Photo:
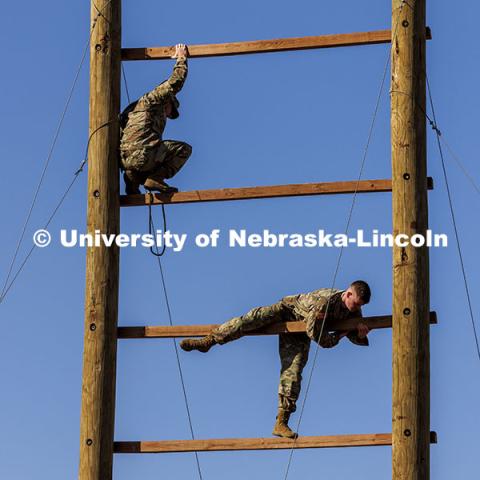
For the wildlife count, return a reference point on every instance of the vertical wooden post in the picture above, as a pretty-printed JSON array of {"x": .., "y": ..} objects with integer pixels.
[
  {"x": 411, "y": 370},
  {"x": 102, "y": 270}
]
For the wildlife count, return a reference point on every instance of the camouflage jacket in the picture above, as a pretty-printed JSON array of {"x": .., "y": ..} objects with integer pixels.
[
  {"x": 309, "y": 305},
  {"x": 147, "y": 121}
]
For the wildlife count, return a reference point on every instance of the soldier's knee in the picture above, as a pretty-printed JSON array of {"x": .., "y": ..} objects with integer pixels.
[{"x": 185, "y": 150}]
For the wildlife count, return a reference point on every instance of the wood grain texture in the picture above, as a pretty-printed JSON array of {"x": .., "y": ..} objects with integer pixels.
[
  {"x": 411, "y": 369},
  {"x": 249, "y": 193},
  {"x": 262, "y": 46},
  {"x": 271, "y": 443},
  {"x": 179, "y": 331},
  {"x": 102, "y": 269}
]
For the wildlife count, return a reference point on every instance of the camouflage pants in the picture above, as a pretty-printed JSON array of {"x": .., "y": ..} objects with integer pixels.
[
  {"x": 293, "y": 348},
  {"x": 164, "y": 161}
]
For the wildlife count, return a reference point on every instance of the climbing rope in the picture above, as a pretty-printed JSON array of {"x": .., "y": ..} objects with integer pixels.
[
  {"x": 151, "y": 226},
  {"x": 439, "y": 137},
  {"x": 126, "y": 85},
  {"x": 177, "y": 355},
  {"x": 433, "y": 124},
  {"x": 158, "y": 254},
  {"x": 79, "y": 170},
  {"x": 347, "y": 226},
  {"x": 460, "y": 164},
  {"x": 7, "y": 285}
]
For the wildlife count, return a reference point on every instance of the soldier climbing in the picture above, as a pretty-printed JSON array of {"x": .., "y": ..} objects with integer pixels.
[
  {"x": 309, "y": 308},
  {"x": 145, "y": 158}
]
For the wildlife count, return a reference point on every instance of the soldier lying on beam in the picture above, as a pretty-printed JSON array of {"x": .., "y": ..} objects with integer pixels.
[
  {"x": 310, "y": 308},
  {"x": 145, "y": 157}
]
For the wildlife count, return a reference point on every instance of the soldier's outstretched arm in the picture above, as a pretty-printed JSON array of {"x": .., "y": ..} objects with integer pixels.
[
  {"x": 176, "y": 80},
  {"x": 180, "y": 70}
]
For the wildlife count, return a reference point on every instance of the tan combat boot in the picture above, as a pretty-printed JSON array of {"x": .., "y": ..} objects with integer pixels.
[
  {"x": 281, "y": 428},
  {"x": 132, "y": 180},
  {"x": 201, "y": 344},
  {"x": 157, "y": 184}
]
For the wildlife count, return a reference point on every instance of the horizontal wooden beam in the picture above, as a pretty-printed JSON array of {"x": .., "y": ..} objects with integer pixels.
[
  {"x": 263, "y": 46},
  {"x": 250, "y": 193},
  {"x": 229, "y": 444},
  {"x": 179, "y": 331}
]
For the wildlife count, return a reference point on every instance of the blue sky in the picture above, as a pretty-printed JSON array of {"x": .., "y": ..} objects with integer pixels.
[{"x": 253, "y": 120}]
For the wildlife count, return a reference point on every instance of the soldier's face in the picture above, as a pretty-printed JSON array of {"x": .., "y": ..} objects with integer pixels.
[{"x": 352, "y": 300}]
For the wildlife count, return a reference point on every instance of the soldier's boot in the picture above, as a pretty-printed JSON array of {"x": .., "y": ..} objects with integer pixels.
[
  {"x": 201, "y": 344},
  {"x": 281, "y": 428},
  {"x": 132, "y": 180},
  {"x": 156, "y": 183}
]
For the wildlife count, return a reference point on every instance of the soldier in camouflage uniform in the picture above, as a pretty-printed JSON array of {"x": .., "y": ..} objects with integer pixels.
[
  {"x": 145, "y": 157},
  {"x": 309, "y": 308}
]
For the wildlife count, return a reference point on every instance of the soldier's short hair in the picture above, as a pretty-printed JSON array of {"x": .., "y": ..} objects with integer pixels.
[{"x": 362, "y": 289}]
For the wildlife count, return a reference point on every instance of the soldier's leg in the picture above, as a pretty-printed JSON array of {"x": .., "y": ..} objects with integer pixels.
[
  {"x": 293, "y": 356},
  {"x": 170, "y": 157},
  {"x": 238, "y": 326},
  {"x": 137, "y": 165},
  {"x": 253, "y": 320}
]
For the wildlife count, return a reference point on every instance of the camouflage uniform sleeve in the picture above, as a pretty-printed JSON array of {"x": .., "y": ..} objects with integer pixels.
[
  {"x": 313, "y": 327},
  {"x": 173, "y": 85},
  {"x": 353, "y": 335}
]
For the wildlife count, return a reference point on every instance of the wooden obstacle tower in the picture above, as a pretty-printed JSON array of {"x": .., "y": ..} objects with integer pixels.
[{"x": 411, "y": 437}]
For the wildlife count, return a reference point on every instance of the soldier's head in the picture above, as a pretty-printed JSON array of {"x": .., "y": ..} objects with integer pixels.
[
  {"x": 171, "y": 107},
  {"x": 356, "y": 295}
]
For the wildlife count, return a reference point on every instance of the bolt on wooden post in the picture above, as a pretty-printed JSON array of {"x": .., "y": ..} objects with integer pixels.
[
  {"x": 411, "y": 370},
  {"x": 102, "y": 269}
]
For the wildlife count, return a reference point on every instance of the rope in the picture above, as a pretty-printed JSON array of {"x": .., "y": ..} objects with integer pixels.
[
  {"x": 49, "y": 156},
  {"x": 177, "y": 355},
  {"x": 126, "y": 85},
  {"x": 439, "y": 136},
  {"x": 8, "y": 286},
  {"x": 460, "y": 164},
  {"x": 347, "y": 226},
  {"x": 158, "y": 254},
  {"x": 452, "y": 213},
  {"x": 100, "y": 12},
  {"x": 151, "y": 226}
]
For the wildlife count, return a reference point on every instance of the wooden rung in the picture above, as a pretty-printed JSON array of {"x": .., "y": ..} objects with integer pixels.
[
  {"x": 264, "y": 46},
  {"x": 218, "y": 445},
  {"x": 178, "y": 331},
  {"x": 273, "y": 191}
]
